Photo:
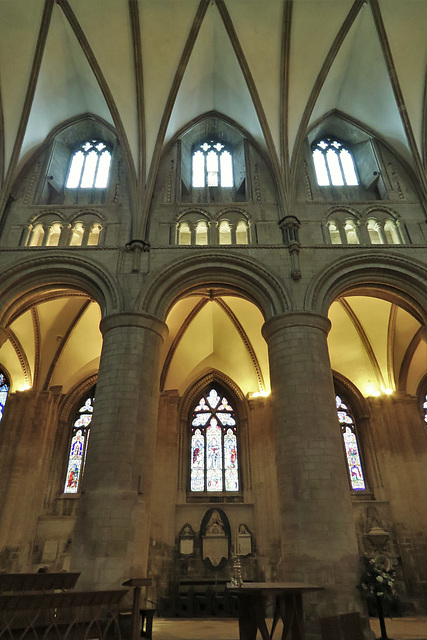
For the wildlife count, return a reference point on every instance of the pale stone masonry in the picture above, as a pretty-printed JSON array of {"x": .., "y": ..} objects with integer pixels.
[{"x": 277, "y": 292}]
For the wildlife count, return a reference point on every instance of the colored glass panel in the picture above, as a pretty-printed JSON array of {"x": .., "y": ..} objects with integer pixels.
[
  {"x": 202, "y": 406},
  {"x": 201, "y": 419},
  {"x": 231, "y": 480},
  {"x": 213, "y": 398},
  {"x": 78, "y": 447},
  {"x": 226, "y": 419},
  {"x": 214, "y": 464},
  {"x": 197, "y": 451},
  {"x": 225, "y": 406},
  {"x": 213, "y": 456},
  {"x": 230, "y": 450},
  {"x": 351, "y": 446},
  {"x": 4, "y": 390},
  {"x": 197, "y": 480}
]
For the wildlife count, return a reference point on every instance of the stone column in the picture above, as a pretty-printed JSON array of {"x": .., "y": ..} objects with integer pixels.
[
  {"x": 27, "y": 435},
  {"x": 113, "y": 519},
  {"x": 318, "y": 537}
]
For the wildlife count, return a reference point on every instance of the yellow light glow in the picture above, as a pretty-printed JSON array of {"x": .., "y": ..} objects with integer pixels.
[
  {"x": 25, "y": 387},
  {"x": 371, "y": 390},
  {"x": 388, "y": 392},
  {"x": 376, "y": 393},
  {"x": 258, "y": 394}
]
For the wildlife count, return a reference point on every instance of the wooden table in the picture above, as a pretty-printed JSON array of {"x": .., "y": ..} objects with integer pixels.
[{"x": 287, "y": 607}]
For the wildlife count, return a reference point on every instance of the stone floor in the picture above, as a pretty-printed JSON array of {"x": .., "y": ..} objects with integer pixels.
[{"x": 227, "y": 629}]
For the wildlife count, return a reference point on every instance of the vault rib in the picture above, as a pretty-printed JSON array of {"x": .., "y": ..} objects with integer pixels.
[
  {"x": 64, "y": 342},
  {"x": 20, "y": 352},
  {"x": 29, "y": 97},
  {"x": 320, "y": 81},
  {"x": 172, "y": 349},
  {"x": 106, "y": 92},
  {"x": 142, "y": 227}
]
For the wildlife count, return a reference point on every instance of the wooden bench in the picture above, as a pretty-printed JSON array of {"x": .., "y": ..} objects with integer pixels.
[
  {"x": 36, "y": 606},
  {"x": 18, "y": 582}
]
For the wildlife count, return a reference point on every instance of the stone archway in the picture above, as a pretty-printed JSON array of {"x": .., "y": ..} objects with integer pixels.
[{"x": 247, "y": 277}]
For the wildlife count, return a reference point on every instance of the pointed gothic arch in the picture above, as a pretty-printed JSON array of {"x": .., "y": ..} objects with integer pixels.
[{"x": 238, "y": 451}]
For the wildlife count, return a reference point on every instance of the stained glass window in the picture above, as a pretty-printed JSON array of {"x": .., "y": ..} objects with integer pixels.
[
  {"x": 79, "y": 443},
  {"x": 4, "y": 390},
  {"x": 334, "y": 164},
  {"x": 425, "y": 409},
  {"x": 214, "y": 460},
  {"x": 90, "y": 166},
  {"x": 348, "y": 429},
  {"x": 212, "y": 165}
]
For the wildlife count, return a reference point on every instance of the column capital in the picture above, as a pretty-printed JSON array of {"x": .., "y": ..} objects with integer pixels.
[
  {"x": 133, "y": 319},
  {"x": 295, "y": 319}
]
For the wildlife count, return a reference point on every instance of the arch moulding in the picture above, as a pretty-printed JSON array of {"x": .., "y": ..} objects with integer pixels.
[
  {"x": 248, "y": 278},
  {"x": 391, "y": 277},
  {"x": 33, "y": 277}
]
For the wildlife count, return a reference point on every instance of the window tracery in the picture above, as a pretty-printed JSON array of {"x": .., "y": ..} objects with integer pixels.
[
  {"x": 89, "y": 166},
  {"x": 79, "y": 443},
  {"x": 214, "y": 465},
  {"x": 212, "y": 165},
  {"x": 334, "y": 164}
]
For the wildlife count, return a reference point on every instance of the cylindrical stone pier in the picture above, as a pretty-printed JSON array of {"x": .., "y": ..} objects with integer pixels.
[
  {"x": 113, "y": 518},
  {"x": 318, "y": 536}
]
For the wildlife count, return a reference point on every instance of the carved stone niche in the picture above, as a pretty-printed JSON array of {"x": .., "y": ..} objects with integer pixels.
[
  {"x": 244, "y": 541},
  {"x": 215, "y": 534},
  {"x": 374, "y": 530},
  {"x": 186, "y": 539}
]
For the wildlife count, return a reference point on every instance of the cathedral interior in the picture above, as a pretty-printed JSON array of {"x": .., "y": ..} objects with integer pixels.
[{"x": 213, "y": 255}]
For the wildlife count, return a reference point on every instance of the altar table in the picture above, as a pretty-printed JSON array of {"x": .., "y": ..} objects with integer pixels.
[{"x": 287, "y": 607}]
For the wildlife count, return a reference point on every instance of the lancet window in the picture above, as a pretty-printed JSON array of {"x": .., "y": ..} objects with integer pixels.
[
  {"x": 351, "y": 446},
  {"x": 212, "y": 165},
  {"x": 4, "y": 390},
  {"x": 214, "y": 465},
  {"x": 425, "y": 409},
  {"x": 89, "y": 166},
  {"x": 334, "y": 164},
  {"x": 82, "y": 419}
]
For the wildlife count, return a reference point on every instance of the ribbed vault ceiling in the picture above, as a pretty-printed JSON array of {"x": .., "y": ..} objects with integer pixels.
[
  {"x": 56, "y": 341},
  {"x": 149, "y": 67}
]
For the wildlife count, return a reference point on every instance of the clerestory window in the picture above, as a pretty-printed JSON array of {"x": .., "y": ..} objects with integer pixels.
[
  {"x": 89, "y": 166},
  {"x": 214, "y": 465},
  {"x": 212, "y": 165},
  {"x": 351, "y": 446},
  {"x": 334, "y": 164},
  {"x": 81, "y": 420}
]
